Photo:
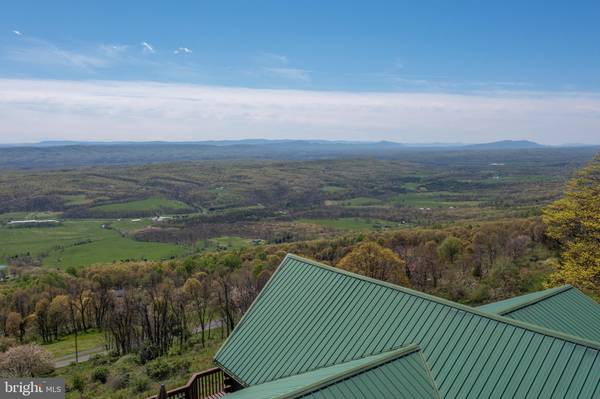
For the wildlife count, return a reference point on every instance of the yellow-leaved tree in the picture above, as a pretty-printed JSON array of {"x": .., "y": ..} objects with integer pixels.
[
  {"x": 372, "y": 260},
  {"x": 574, "y": 221}
]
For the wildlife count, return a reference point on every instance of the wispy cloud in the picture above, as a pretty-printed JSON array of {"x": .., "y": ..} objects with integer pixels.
[
  {"x": 147, "y": 48},
  {"x": 272, "y": 58},
  {"x": 278, "y": 65},
  {"x": 17, "y": 32},
  {"x": 290, "y": 73},
  {"x": 41, "y": 52},
  {"x": 33, "y": 110},
  {"x": 98, "y": 60},
  {"x": 183, "y": 50},
  {"x": 113, "y": 50}
]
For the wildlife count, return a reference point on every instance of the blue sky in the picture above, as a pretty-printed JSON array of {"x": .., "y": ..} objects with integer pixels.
[{"x": 336, "y": 69}]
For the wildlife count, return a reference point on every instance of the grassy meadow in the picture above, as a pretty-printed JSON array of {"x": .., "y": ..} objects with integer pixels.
[
  {"x": 66, "y": 344},
  {"x": 154, "y": 204},
  {"x": 82, "y": 242}
]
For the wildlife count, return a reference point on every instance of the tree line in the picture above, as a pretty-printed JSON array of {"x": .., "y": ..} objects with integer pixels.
[{"x": 141, "y": 307}]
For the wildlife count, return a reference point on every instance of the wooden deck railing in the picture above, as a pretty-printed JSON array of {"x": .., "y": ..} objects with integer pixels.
[{"x": 208, "y": 384}]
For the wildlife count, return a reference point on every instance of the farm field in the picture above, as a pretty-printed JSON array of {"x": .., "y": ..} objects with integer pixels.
[
  {"x": 432, "y": 200},
  {"x": 154, "y": 204},
  {"x": 81, "y": 242}
]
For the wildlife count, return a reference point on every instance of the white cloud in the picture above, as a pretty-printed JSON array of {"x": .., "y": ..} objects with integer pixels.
[
  {"x": 33, "y": 110},
  {"x": 147, "y": 47},
  {"x": 184, "y": 50},
  {"x": 290, "y": 73},
  {"x": 41, "y": 52},
  {"x": 17, "y": 32},
  {"x": 272, "y": 58}
]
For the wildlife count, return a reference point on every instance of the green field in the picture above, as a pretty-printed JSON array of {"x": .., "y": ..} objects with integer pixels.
[
  {"x": 129, "y": 225},
  {"x": 412, "y": 199},
  {"x": 66, "y": 344},
  {"x": 80, "y": 243},
  {"x": 225, "y": 242},
  {"x": 351, "y": 223},
  {"x": 76, "y": 199},
  {"x": 7, "y": 217},
  {"x": 357, "y": 201},
  {"x": 431, "y": 200},
  {"x": 153, "y": 204}
]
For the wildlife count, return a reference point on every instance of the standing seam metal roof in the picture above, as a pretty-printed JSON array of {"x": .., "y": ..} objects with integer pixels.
[
  {"x": 564, "y": 309},
  {"x": 506, "y": 305},
  {"x": 311, "y": 316},
  {"x": 398, "y": 374}
]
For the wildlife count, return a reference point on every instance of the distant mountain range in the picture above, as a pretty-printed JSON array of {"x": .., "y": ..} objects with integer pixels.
[
  {"x": 72, "y": 154},
  {"x": 503, "y": 144},
  {"x": 506, "y": 144}
]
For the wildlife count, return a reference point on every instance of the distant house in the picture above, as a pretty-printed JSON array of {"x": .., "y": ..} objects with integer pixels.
[{"x": 320, "y": 332}]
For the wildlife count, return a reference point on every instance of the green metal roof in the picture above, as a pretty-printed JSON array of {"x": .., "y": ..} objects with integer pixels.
[
  {"x": 396, "y": 374},
  {"x": 518, "y": 301},
  {"x": 311, "y": 316},
  {"x": 564, "y": 309}
]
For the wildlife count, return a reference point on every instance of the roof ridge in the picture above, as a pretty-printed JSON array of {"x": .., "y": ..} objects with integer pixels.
[
  {"x": 386, "y": 357},
  {"x": 429, "y": 373},
  {"x": 551, "y": 333},
  {"x": 551, "y": 292}
]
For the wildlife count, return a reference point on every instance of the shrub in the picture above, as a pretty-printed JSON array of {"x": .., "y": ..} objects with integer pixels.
[
  {"x": 100, "y": 360},
  {"x": 78, "y": 383},
  {"x": 118, "y": 381},
  {"x": 149, "y": 352},
  {"x": 126, "y": 361},
  {"x": 480, "y": 294},
  {"x": 181, "y": 366},
  {"x": 26, "y": 361},
  {"x": 140, "y": 384},
  {"x": 158, "y": 369},
  {"x": 100, "y": 374},
  {"x": 161, "y": 369},
  {"x": 6, "y": 343}
]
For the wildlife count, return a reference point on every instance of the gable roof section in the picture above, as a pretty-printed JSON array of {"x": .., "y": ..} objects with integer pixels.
[
  {"x": 564, "y": 309},
  {"x": 311, "y": 316},
  {"x": 397, "y": 374},
  {"x": 506, "y": 305}
]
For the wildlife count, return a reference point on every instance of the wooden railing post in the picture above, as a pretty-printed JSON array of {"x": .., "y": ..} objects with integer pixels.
[{"x": 162, "y": 394}]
